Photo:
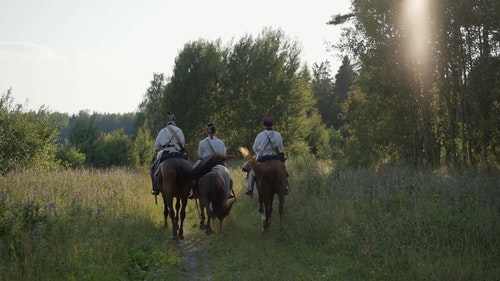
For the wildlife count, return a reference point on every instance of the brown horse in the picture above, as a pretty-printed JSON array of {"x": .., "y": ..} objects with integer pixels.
[
  {"x": 174, "y": 181},
  {"x": 213, "y": 197},
  {"x": 270, "y": 178}
]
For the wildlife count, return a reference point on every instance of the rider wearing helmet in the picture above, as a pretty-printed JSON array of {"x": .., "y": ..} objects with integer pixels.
[
  {"x": 267, "y": 145},
  {"x": 211, "y": 146},
  {"x": 169, "y": 143}
]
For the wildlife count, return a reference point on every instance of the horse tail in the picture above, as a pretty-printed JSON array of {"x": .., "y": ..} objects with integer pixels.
[
  {"x": 218, "y": 195},
  {"x": 248, "y": 156},
  {"x": 227, "y": 209}
]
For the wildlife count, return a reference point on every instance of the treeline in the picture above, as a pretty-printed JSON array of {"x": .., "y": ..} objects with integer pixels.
[
  {"x": 388, "y": 102},
  {"x": 48, "y": 140}
]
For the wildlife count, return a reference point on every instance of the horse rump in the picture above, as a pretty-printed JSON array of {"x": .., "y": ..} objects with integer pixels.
[{"x": 213, "y": 198}]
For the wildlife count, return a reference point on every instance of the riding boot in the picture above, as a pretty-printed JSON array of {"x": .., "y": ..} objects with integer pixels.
[
  {"x": 287, "y": 190},
  {"x": 251, "y": 177},
  {"x": 193, "y": 193},
  {"x": 154, "y": 180},
  {"x": 231, "y": 191}
]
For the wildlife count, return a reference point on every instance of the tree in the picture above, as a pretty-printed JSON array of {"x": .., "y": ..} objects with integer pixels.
[
  {"x": 424, "y": 91},
  {"x": 84, "y": 135},
  {"x": 150, "y": 115},
  {"x": 115, "y": 149},
  {"x": 343, "y": 82},
  {"x": 322, "y": 87},
  {"x": 69, "y": 157},
  {"x": 144, "y": 146},
  {"x": 196, "y": 91},
  {"x": 26, "y": 138},
  {"x": 266, "y": 78}
]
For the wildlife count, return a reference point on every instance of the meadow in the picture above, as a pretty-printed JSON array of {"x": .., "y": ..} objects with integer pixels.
[{"x": 339, "y": 224}]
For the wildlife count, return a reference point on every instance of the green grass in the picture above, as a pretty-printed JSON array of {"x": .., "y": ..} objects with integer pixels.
[{"x": 391, "y": 224}]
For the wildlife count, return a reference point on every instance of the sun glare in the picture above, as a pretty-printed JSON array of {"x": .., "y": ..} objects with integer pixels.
[{"x": 416, "y": 28}]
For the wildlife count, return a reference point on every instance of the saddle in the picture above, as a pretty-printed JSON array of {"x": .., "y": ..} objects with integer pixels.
[
  {"x": 167, "y": 155},
  {"x": 172, "y": 154},
  {"x": 204, "y": 166},
  {"x": 264, "y": 158}
]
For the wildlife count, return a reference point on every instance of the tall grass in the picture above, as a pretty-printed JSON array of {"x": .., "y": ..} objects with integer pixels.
[{"x": 390, "y": 224}]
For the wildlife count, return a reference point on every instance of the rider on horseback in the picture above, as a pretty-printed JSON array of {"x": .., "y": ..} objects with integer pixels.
[
  {"x": 267, "y": 145},
  {"x": 209, "y": 147},
  {"x": 169, "y": 143}
]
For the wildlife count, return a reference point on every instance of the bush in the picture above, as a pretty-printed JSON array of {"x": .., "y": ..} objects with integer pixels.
[{"x": 26, "y": 138}]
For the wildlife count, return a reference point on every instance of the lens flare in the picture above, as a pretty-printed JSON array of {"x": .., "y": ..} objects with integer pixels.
[{"x": 416, "y": 29}]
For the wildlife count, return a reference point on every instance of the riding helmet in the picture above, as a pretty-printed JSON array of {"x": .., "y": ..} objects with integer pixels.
[
  {"x": 267, "y": 121},
  {"x": 171, "y": 118},
  {"x": 211, "y": 128}
]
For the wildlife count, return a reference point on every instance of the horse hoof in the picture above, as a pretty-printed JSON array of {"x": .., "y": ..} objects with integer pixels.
[
  {"x": 181, "y": 237},
  {"x": 202, "y": 226}
]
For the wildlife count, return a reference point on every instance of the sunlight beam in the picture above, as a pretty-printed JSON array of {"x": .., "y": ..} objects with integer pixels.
[{"x": 416, "y": 29}]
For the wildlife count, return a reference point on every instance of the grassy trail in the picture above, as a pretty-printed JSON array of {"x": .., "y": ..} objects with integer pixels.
[{"x": 344, "y": 225}]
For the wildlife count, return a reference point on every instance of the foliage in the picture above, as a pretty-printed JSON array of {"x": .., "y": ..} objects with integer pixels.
[
  {"x": 143, "y": 147},
  {"x": 235, "y": 86},
  {"x": 115, "y": 149},
  {"x": 196, "y": 90},
  {"x": 430, "y": 92},
  {"x": 70, "y": 157},
  {"x": 150, "y": 115},
  {"x": 84, "y": 136},
  {"x": 319, "y": 139},
  {"x": 330, "y": 96},
  {"x": 26, "y": 138}
]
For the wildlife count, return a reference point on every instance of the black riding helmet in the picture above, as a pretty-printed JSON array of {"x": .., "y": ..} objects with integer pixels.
[
  {"x": 171, "y": 119},
  {"x": 211, "y": 128}
]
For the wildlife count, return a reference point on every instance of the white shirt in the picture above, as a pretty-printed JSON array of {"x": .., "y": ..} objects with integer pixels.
[
  {"x": 166, "y": 140},
  {"x": 204, "y": 149},
  {"x": 263, "y": 144}
]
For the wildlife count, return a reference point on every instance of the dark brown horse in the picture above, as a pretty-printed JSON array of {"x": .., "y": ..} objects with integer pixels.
[
  {"x": 213, "y": 197},
  {"x": 270, "y": 179},
  {"x": 174, "y": 181}
]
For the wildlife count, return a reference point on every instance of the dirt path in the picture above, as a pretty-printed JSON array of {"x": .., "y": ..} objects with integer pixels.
[{"x": 194, "y": 268}]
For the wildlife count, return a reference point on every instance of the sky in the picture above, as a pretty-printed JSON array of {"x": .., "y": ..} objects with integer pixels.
[{"x": 101, "y": 55}]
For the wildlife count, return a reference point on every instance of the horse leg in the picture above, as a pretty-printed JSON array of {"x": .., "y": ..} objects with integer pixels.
[
  {"x": 269, "y": 212},
  {"x": 261, "y": 210},
  {"x": 183, "y": 216},
  {"x": 281, "y": 198},
  {"x": 165, "y": 212},
  {"x": 202, "y": 215},
  {"x": 177, "y": 208},
  {"x": 208, "y": 230},
  {"x": 169, "y": 210}
]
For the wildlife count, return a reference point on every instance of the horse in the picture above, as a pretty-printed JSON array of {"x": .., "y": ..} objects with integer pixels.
[
  {"x": 213, "y": 197},
  {"x": 271, "y": 179},
  {"x": 174, "y": 181}
]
